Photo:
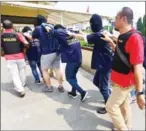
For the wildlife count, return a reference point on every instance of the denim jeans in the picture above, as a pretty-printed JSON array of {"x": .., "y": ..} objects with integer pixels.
[
  {"x": 71, "y": 72},
  {"x": 34, "y": 65},
  {"x": 101, "y": 80}
]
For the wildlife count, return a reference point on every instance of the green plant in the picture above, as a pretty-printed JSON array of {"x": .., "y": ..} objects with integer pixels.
[
  {"x": 141, "y": 25},
  {"x": 87, "y": 31},
  {"x": 108, "y": 27},
  {"x": 83, "y": 43}
]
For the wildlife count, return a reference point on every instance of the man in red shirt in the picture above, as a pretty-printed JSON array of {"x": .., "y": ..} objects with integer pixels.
[
  {"x": 123, "y": 77},
  {"x": 12, "y": 45}
]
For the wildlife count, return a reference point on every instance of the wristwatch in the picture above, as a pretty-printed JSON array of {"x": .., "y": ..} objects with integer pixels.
[{"x": 139, "y": 93}]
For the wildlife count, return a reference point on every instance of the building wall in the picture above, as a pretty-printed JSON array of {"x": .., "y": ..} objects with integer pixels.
[{"x": 86, "y": 60}]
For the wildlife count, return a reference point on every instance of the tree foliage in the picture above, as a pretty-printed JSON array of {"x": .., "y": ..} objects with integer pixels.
[{"x": 141, "y": 25}]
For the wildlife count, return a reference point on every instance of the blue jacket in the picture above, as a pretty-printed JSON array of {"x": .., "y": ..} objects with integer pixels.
[
  {"x": 69, "y": 48},
  {"x": 102, "y": 54},
  {"x": 34, "y": 53},
  {"x": 48, "y": 44}
]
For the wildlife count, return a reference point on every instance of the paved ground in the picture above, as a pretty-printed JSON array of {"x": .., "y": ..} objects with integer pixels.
[{"x": 55, "y": 111}]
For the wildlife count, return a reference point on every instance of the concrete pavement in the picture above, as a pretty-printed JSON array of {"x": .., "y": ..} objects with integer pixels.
[{"x": 55, "y": 111}]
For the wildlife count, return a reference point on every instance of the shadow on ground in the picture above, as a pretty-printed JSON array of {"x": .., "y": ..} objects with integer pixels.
[{"x": 79, "y": 115}]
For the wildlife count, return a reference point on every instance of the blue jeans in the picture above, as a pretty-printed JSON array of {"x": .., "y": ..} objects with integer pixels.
[
  {"x": 34, "y": 65},
  {"x": 101, "y": 80},
  {"x": 71, "y": 72}
]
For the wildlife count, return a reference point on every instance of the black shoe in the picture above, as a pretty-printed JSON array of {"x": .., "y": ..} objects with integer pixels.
[
  {"x": 83, "y": 96},
  {"x": 61, "y": 89},
  {"x": 38, "y": 82},
  {"x": 24, "y": 85},
  {"x": 73, "y": 95},
  {"x": 21, "y": 94},
  {"x": 101, "y": 111}
]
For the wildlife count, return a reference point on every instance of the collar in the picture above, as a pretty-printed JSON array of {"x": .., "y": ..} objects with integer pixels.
[{"x": 8, "y": 30}]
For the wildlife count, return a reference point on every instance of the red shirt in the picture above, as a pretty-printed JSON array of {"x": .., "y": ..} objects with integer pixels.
[
  {"x": 134, "y": 47},
  {"x": 18, "y": 55}
]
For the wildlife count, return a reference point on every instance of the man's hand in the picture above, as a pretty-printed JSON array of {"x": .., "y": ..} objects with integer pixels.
[
  {"x": 106, "y": 37},
  {"x": 115, "y": 39},
  {"x": 141, "y": 101},
  {"x": 2, "y": 53},
  {"x": 47, "y": 28},
  {"x": 26, "y": 34},
  {"x": 70, "y": 33}
]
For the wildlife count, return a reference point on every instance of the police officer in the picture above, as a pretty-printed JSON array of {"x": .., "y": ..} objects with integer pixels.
[{"x": 13, "y": 45}]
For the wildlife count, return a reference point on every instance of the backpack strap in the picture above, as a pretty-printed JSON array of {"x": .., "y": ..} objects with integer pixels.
[{"x": 123, "y": 57}]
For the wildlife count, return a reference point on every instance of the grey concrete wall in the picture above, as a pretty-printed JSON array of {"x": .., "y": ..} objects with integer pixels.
[{"x": 86, "y": 63}]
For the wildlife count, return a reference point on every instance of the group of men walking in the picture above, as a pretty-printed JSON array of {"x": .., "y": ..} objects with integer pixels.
[{"x": 47, "y": 45}]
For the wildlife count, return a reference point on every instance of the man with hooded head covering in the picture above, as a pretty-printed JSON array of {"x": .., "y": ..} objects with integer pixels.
[
  {"x": 70, "y": 51},
  {"x": 50, "y": 57},
  {"x": 101, "y": 57}
]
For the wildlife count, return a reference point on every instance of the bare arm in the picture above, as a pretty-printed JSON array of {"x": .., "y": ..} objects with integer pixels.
[
  {"x": 78, "y": 36},
  {"x": 26, "y": 44},
  {"x": 139, "y": 85},
  {"x": 2, "y": 52},
  {"x": 138, "y": 77},
  {"x": 28, "y": 36}
]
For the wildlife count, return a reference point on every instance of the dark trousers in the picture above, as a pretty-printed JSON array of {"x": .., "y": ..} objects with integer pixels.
[
  {"x": 34, "y": 64},
  {"x": 71, "y": 72},
  {"x": 101, "y": 80}
]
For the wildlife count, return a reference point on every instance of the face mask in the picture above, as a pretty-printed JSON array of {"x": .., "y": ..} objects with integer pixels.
[{"x": 96, "y": 23}]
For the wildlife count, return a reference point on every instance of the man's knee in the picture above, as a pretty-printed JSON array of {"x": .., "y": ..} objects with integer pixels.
[
  {"x": 71, "y": 81},
  {"x": 44, "y": 70},
  {"x": 68, "y": 80},
  {"x": 109, "y": 107}
]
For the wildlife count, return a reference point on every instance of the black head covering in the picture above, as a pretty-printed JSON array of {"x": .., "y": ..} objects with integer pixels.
[
  {"x": 40, "y": 19},
  {"x": 26, "y": 28},
  {"x": 58, "y": 26},
  {"x": 96, "y": 23}
]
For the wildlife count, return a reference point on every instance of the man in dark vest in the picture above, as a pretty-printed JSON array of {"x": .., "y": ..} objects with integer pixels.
[
  {"x": 125, "y": 77},
  {"x": 12, "y": 44},
  {"x": 101, "y": 57}
]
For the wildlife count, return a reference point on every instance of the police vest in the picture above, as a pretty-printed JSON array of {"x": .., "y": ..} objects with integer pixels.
[
  {"x": 11, "y": 44},
  {"x": 118, "y": 65}
]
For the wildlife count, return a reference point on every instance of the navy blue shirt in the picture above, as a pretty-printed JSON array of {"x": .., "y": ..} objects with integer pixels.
[
  {"x": 102, "y": 54},
  {"x": 46, "y": 40},
  {"x": 69, "y": 48},
  {"x": 33, "y": 52}
]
